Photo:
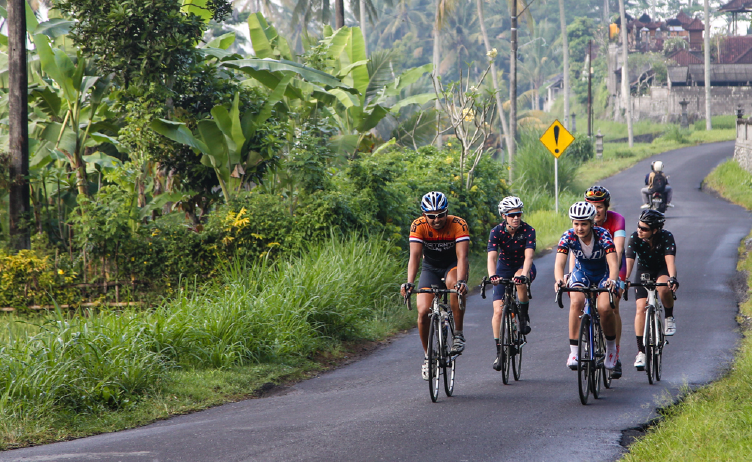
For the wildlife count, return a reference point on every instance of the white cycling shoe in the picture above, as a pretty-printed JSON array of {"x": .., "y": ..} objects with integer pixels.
[
  {"x": 572, "y": 361},
  {"x": 424, "y": 369},
  {"x": 670, "y": 326},
  {"x": 639, "y": 361},
  {"x": 611, "y": 358},
  {"x": 645, "y": 206}
]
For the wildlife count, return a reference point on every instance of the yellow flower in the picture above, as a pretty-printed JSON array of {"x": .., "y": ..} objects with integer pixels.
[
  {"x": 492, "y": 54},
  {"x": 60, "y": 272},
  {"x": 449, "y": 144}
]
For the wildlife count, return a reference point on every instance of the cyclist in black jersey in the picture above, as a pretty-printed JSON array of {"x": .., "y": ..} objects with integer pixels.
[{"x": 654, "y": 248}]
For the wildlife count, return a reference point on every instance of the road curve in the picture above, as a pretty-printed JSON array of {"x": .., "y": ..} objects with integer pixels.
[{"x": 379, "y": 409}]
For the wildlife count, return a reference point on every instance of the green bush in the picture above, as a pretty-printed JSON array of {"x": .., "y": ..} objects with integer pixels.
[
  {"x": 623, "y": 154},
  {"x": 581, "y": 150},
  {"x": 676, "y": 134}
]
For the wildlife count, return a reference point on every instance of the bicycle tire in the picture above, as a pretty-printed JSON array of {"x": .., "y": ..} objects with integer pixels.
[
  {"x": 449, "y": 364},
  {"x": 519, "y": 340},
  {"x": 506, "y": 344},
  {"x": 649, "y": 342},
  {"x": 658, "y": 357},
  {"x": 584, "y": 360},
  {"x": 434, "y": 349},
  {"x": 598, "y": 370}
]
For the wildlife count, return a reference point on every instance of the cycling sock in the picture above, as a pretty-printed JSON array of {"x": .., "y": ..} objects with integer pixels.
[
  {"x": 611, "y": 338},
  {"x": 573, "y": 342},
  {"x": 457, "y": 332},
  {"x": 611, "y": 344},
  {"x": 573, "y": 349},
  {"x": 669, "y": 311},
  {"x": 640, "y": 345}
]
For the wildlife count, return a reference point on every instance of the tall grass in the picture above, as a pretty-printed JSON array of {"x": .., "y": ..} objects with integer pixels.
[
  {"x": 257, "y": 312},
  {"x": 535, "y": 167}
]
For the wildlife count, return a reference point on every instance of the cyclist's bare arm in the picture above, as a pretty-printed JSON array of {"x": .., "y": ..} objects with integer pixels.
[
  {"x": 528, "y": 263},
  {"x": 416, "y": 253},
  {"x": 613, "y": 266},
  {"x": 619, "y": 243},
  {"x": 671, "y": 266},
  {"x": 491, "y": 262},
  {"x": 630, "y": 266},
  {"x": 559, "y": 265},
  {"x": 463, "y": 266}
]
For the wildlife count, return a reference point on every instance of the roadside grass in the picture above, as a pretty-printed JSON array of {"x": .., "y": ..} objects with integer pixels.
[
  {"x": 714, "y": 422},
  {"x": 64, "y": 376}
]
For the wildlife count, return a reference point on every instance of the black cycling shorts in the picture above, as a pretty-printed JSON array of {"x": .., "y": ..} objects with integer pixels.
[
  {"x": 431, "y": 275},
  {"x": 641, "y": 292}
]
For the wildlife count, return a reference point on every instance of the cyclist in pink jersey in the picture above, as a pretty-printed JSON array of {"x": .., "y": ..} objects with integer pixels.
[{"x": 600, "y": 197}]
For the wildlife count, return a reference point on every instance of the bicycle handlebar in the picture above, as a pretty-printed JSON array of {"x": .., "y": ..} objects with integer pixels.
[
  {"x": 485, "y": 282},
  {"x": 650, "y": 285},
  {"x": 584, "y": 290},
  {"x": 435, "y": 291}
]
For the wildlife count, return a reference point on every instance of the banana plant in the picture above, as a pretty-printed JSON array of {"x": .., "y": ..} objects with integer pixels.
[
  {"x": 79, "y": 97},
  {"x": 354, "y": 98},
  {"x": 225, "y": 140}
]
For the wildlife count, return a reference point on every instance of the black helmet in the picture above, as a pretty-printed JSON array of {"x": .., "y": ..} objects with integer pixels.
[
  {"x": 598, "y": 194},
  {"x": 653, "y": 218}
]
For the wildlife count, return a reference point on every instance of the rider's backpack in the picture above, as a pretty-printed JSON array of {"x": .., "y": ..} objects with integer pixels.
[{"x": 659, "y": 182}]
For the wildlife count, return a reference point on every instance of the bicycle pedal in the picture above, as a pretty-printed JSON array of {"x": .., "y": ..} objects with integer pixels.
[{"x": 641, "y": 369}]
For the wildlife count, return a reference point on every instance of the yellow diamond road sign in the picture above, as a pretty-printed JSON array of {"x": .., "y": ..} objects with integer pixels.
[{"x": 556, "y": 139}]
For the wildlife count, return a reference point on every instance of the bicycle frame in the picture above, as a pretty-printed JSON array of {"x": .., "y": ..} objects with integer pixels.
[{"x": 654, "y": 308}]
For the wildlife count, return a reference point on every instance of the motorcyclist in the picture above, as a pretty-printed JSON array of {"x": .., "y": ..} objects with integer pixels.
[{"x": 656, "y": 181}]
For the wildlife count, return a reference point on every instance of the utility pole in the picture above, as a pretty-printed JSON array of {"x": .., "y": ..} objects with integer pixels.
[
  {"x": 590, "y": 91},
  {"x": 435, "y": 74},
  {"x": 513, "y": 94},
  {"x": 339, "y": 13},
  {"x": 565, "y": 51},
  {"x": 625, "y": 72},
  {"x": 708, "y": 121},
  {"x": 18, "y": 202}
]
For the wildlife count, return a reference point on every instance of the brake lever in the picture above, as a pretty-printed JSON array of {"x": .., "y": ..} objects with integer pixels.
[{"x": 483, "y": 288}]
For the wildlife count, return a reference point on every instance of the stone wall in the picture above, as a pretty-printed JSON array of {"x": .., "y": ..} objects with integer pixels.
[
  {"x": 662, "y": 103},
  {"x": 743, "y": 148}
]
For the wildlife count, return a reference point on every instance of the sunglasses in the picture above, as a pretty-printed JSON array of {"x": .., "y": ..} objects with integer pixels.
[
  {"x": 514, "y": 214},
  {"x": 643, "y": 228},
  {"x": 433, "y": 216},
  {"x": 594, "y": 194}
]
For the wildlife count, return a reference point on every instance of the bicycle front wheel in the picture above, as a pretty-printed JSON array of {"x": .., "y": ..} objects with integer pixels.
[
  {"x": 658, "y": 350},
  {"x": 584, "y": 359},
  {"x": 449, "y": 363},
  {"x": 650, "y": 342},
  {"x": 506, "y": 344},
  {"x": 434, "y": 354},
  {"x": 518, "y": 339},
  {"x": 598, "y": 370}
]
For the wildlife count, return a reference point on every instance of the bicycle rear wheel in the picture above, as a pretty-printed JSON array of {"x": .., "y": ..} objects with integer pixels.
[
  {"x": 650, "y": 342},
  {"x": 506, "y": 344},
  {"x": 658, "y": 355},
  {"x": 584, "y": 362},
  {"x": 598, "y": 370},
  {"x": 449, "y": 363},
  {"x": 434, "y": 353}
]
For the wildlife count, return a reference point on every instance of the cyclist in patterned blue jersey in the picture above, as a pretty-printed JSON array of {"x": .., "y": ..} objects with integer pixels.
[{"x": 596, "y": 264}]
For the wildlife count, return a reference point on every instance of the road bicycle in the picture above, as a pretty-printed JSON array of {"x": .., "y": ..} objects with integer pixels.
[
  {"x": 511, "y": 338},
  {"x": 653, "y": 336},
  {"x": 441, "y": 362},
  {"x": 591, "y": 351}
]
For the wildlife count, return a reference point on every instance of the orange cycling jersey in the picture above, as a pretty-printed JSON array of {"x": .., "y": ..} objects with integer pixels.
[{"x": 439, "y": 245}]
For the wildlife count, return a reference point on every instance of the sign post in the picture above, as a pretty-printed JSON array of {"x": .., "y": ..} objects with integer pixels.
[{"x": 556, "y": 139}]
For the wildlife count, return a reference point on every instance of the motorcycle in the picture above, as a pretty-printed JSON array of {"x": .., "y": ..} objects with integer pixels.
[{"x": 658, "y": 201}]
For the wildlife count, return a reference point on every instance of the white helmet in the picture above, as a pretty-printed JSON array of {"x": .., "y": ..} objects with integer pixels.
[
  {"x": 582, "y": 211},
  {"x": 657, "y": 166},
  {"x": 510, "y": 203}
]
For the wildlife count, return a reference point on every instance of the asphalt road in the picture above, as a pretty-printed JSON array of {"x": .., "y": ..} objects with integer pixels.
[{"x": 379, "y": 408}]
